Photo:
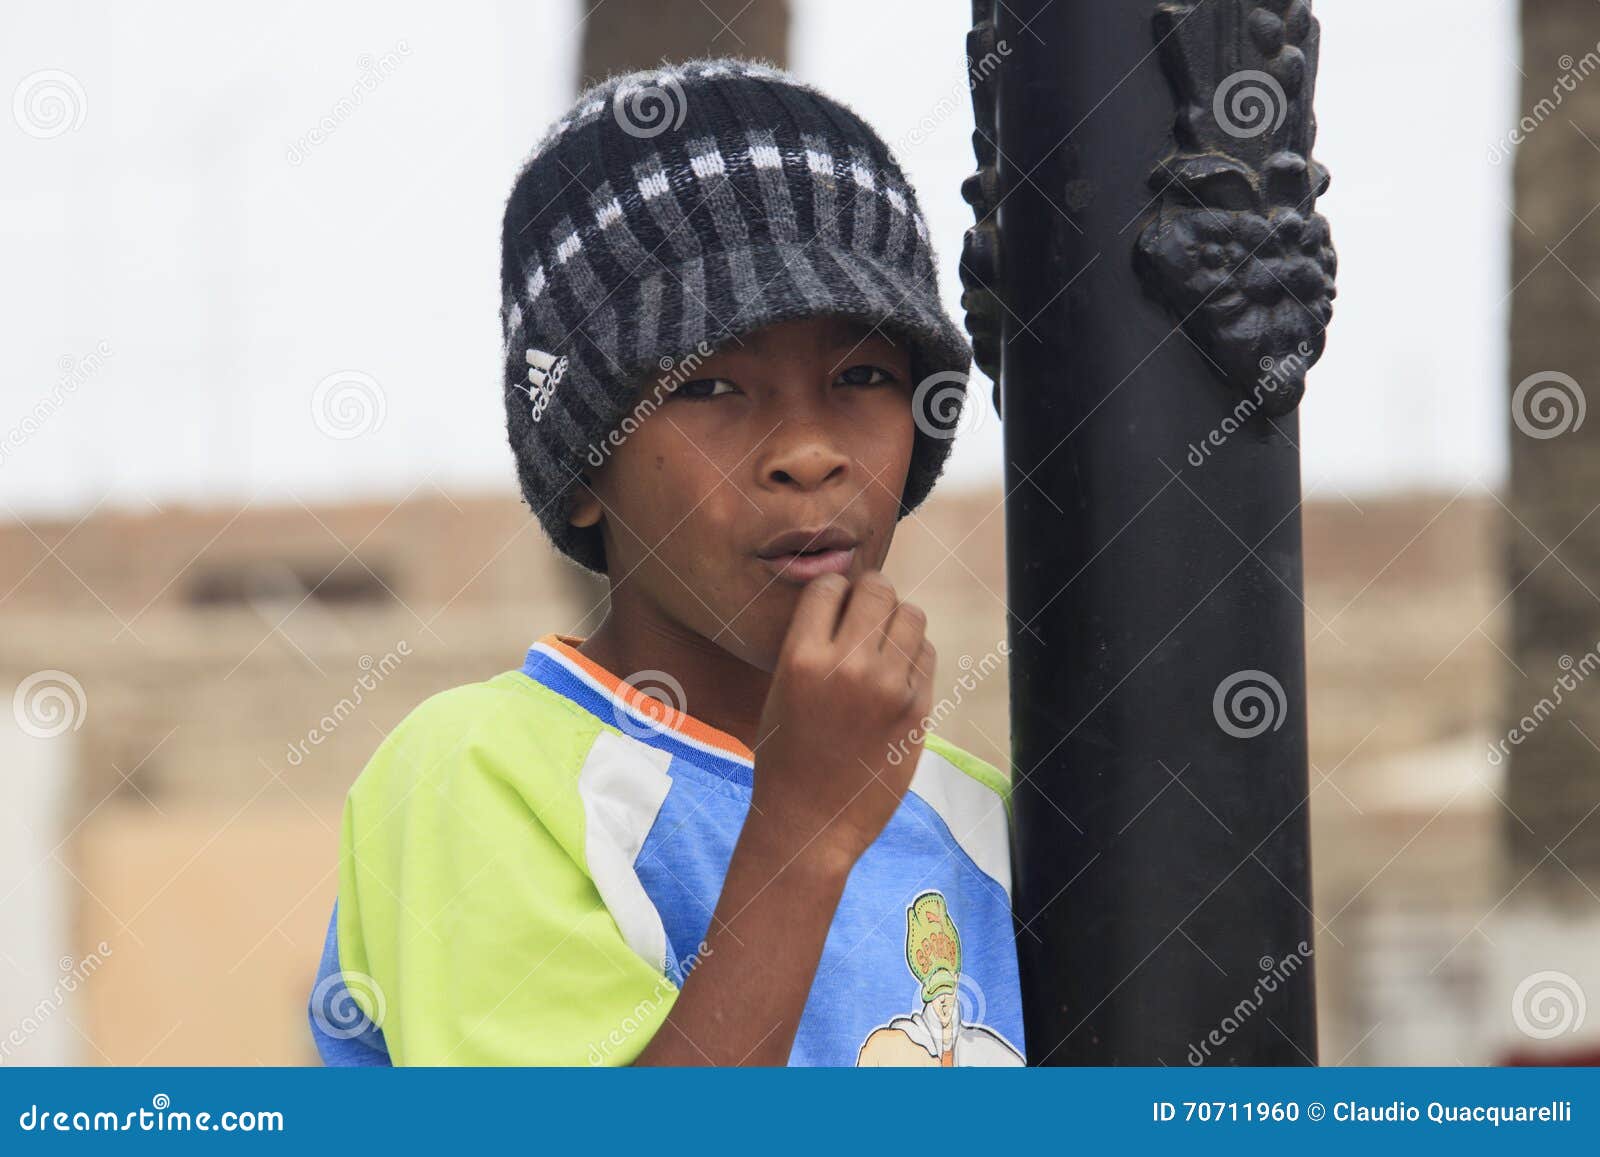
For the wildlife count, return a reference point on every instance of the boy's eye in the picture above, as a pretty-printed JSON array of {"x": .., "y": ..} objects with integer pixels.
[
  {"x": 863, "y": 375},
  {"x": 704, "y": 388}
]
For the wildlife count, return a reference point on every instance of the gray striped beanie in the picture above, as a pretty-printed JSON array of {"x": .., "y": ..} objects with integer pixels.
[{"x": 673, "y": 210}]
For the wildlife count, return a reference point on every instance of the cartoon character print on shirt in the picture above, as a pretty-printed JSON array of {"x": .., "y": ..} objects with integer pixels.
[{"x": 937, "y": 1034}]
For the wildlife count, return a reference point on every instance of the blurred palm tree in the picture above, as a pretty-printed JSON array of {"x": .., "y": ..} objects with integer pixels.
[
  {"x": 1553, "y": 529},
  {"x": 624, "y": 35},
  {"x": 627, "y": 35}
]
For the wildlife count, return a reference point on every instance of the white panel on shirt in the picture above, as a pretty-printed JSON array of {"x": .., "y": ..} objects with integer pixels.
[
  {"x": 623, "y": 785},
  {"x": 974, "y": 813}
]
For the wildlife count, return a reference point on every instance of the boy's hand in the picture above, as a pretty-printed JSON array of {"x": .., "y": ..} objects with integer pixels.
[
  {"x": 833, "y": 760},
  {"x": 834, "y": 755}
]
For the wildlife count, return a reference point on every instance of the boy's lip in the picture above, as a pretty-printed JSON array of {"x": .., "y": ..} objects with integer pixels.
[
  {"x": 802, "y": 568},
  {"x": 820, "y": 539},
  {"x": 827, "y": 550}
]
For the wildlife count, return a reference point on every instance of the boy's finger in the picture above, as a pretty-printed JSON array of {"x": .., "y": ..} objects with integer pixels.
[
  {"x": 866, "y": 615},
  {"x": 816, "y": 611},
  {"x": 921, "y": 678},
  {"x": 903, "y": 638}
]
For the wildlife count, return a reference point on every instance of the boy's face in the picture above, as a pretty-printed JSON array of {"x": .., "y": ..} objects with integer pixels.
[{"x": 801, "y": 427}]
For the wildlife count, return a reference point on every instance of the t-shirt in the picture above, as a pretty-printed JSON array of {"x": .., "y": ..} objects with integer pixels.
[{"x": 529, "y": 865}]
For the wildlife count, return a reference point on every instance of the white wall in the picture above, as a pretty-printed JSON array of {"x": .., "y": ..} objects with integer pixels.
[
  {"x": 227, "y": 281},
  {"x": 37, "y": 900}
]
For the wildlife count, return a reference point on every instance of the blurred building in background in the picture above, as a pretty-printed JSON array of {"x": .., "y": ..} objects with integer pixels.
[{"x": 232, "y": 670}]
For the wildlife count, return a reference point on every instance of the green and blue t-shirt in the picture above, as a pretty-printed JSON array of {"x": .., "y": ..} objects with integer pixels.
[{"x": 529, "y": 865}]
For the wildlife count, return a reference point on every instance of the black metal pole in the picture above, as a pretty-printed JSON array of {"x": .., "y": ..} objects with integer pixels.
[{"x": 1149, "y": 282}]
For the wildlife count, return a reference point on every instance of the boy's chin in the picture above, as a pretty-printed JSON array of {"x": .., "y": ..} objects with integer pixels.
[{"x": 756, "y": 637}]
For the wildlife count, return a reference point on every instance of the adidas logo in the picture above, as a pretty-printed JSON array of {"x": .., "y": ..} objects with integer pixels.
[{"x": 545, "y": 372}]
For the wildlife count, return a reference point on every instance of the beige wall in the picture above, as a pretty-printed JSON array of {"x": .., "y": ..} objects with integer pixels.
[{"x": 204, "y": 855}]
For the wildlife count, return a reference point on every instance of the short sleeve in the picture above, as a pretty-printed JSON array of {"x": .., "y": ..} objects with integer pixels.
[{"x": 470, "y": 929}]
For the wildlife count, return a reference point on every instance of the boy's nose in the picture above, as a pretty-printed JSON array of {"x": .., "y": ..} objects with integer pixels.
[{"x": 806, "y": 460}]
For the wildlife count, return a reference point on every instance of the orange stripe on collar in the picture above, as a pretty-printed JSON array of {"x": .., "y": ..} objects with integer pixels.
[{"x": 667, "y": 716}]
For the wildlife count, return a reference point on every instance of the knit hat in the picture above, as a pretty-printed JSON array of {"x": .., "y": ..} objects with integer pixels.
[{"x": 671, "y": 211}]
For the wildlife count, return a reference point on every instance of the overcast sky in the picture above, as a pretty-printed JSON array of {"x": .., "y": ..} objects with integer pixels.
[{"x": 181, "y": 224}]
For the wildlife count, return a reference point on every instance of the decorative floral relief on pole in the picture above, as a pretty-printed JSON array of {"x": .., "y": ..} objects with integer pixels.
[
  {"x": 980, "y": 249},
  {"x": 1235, "y": 246}
]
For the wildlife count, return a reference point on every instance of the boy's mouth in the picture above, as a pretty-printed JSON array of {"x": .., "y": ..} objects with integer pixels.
[{"x": 801, "y": 555}]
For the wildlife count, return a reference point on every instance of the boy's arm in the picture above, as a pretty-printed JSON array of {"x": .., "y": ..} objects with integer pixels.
[
  {"x": 469, "y": 926},
  {"x": 473, "y": 929},
  {"x": 857, "y": 670}
]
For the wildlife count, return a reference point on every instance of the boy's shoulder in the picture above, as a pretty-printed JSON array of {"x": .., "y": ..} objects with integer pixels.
[
  {"x": 962, "y": 789},
  {"x": 970, "y": 765},
  {"x": 525, "y": 731},
  {"x": 500, "y": 707},
  {"x": 490, "y": 708},
  {"x": 508, "y": 725}
]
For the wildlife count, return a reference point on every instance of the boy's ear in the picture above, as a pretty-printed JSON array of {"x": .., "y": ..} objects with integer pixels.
[{"x": 586, "y": 508}]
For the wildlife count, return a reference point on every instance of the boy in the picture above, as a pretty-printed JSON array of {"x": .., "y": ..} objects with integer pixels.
[{"x": 776, "y": 865}]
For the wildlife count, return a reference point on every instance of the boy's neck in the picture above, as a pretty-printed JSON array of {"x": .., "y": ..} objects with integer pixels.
[{"x": 719, "y": 689}]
